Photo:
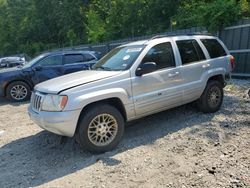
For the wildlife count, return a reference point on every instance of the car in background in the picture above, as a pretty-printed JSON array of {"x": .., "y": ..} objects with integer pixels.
[
  {"x": 17, "y": 83},
  {"x": 8, "y": 62}
]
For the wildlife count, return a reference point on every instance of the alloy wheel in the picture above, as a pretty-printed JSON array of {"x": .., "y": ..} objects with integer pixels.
[
  {"x": 102, "y": 129},
  {"x": 19, "y": 92}
]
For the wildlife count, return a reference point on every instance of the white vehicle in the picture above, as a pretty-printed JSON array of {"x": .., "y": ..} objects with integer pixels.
[
  {"x": 133, "y": 81},
  {"x": 8, "y": 62}
]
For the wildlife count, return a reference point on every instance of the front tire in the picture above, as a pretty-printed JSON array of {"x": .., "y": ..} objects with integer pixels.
[
  {"x": 212, "y": 97},
  {"x": 18, "y": 92},
  {"x": 100, "y": 129}
]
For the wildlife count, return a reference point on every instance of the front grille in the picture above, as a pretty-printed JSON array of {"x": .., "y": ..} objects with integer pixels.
[{"x": 36, "y": 101}]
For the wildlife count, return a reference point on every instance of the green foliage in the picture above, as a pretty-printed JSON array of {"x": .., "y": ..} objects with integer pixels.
[
  {"x": 245, "y": 8},
  {"x": 212, "y": 14},
  {"x": 121, "y": 19},
  {"x": 32, "y": 26}
]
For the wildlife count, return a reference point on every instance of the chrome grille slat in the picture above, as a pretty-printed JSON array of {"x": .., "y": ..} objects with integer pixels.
[
  {"x": 36, "y": 101},
  {"x": 35, "y": 105}
]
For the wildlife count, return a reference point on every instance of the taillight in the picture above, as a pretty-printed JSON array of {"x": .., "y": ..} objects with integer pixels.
[{"x": 232, "y": 62}]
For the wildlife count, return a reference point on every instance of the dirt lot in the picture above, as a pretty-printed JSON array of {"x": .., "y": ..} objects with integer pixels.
[{"x": 177, "y": 148}]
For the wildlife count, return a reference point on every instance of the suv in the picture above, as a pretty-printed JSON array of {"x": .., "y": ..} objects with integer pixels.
[
  {"x": 17, "y": 83},
  {"x": 130, "y": 82}
]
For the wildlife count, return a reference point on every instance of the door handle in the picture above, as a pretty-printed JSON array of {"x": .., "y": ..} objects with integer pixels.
[
  {"x": 206, "y": 66},
  {"x": 171, "y": 75}
]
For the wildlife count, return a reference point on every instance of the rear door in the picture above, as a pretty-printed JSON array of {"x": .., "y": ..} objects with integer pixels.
[
  {"x": 194, "y": 65},
  {"x": 160, "y": 89},
  {"x": 48, "y": 68},
  {"x": 219, "y": 57}
]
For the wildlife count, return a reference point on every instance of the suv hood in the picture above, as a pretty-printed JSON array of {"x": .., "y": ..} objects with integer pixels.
[{"x": 56, "y": 85}]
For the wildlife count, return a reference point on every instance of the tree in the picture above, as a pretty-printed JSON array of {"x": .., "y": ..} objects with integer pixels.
[
  {"x": 213, "y": 14},
  {"x": 117, "y": 19},
  {"x": 32, "y": 26}
]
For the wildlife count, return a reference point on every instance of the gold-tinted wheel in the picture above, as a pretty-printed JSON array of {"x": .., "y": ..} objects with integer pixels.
[
  {"x": 212, "y": 97},
  {"x": 102, "y": 129}
]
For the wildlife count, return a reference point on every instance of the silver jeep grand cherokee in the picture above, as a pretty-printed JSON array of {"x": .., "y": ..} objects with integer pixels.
[{"x": 130, "y": 82}]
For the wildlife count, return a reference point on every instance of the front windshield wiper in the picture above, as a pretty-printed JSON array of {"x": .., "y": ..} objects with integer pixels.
[{"x": 104, "y": 68}]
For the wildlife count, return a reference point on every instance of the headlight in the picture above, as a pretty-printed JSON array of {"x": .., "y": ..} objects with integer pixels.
[{"x": 54, "y": 103}]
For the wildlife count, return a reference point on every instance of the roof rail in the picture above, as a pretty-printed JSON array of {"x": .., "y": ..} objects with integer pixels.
[
  {"x": 158, "y": 36},
  {"x": 187, "y": 34}
]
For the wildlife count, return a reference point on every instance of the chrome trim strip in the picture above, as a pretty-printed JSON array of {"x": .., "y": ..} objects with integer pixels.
[{"x": 237, "y": 27}]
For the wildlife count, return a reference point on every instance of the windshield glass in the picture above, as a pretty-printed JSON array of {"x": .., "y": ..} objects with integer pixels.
[
  {"x": 121, "y": 58},
  {"x": 34, "y": 61}
]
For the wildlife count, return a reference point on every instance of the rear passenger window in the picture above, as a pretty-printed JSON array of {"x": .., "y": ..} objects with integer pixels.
[
  {"x": 73, "y": 58},
  {"x": 162, "y": 55},
  {"x": 190, "y": 51},
  {"x": 214, "y": 48}
]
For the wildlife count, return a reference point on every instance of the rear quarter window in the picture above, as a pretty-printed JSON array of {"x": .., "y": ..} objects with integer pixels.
[
  {"x": 190, "y": 51},
  {"x": 214, "y": 48}
]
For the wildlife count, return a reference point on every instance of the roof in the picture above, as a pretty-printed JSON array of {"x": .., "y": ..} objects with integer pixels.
[
  {"x": 62, "y": 52},
  {"x": 175, "y": 37}
]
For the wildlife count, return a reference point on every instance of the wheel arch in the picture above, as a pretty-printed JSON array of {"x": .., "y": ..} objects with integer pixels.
[
  {"x": 218, "y": 77},
  {"x": 16, "y": 80},
  {"x": 113, "y": 101}
]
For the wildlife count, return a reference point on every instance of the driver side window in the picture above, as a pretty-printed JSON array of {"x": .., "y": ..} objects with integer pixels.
[
  {"x": 51, "y": 61},
  {"x": 162, "y": 55}
]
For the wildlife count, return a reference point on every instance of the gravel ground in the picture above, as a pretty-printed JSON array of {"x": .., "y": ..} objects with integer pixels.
[{"x": 176, "y": 148}]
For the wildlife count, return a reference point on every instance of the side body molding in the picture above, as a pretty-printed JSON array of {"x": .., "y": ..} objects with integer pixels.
[{"x": 82, "y": 101}]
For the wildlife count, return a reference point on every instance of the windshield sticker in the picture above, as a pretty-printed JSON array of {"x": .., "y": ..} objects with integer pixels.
[
  {"x": 126, "y": 57},
  {"x": 133, "y": 50}
]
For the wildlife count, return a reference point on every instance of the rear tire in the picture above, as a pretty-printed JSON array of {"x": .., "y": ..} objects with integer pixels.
[
  {"x": 18, "y": 91},
  {"x": 212, "y": 97},
  {"x": 100, "y": 129}
]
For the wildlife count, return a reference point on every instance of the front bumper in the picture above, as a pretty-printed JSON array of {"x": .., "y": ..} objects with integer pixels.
[{"x": 61, "y": 123}]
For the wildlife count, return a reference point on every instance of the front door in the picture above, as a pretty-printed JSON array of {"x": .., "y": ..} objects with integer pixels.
[
  {"x": 48, "y": 68},
  {"x": 160, "y": 89}
]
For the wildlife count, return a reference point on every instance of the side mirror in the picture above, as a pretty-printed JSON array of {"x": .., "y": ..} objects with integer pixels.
[
  {"x": 38, "y": 68},
  {"x": 146, "y": 68}
]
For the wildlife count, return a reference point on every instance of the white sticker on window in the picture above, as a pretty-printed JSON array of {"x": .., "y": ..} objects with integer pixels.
[
  {"x": 126, "y": 57},
  {"x": 133, "y": 50}
]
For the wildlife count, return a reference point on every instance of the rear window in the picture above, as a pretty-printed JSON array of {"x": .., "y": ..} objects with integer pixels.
[
  {"x": 190, "y": 51},
  {"x": 214, "y": 48}
]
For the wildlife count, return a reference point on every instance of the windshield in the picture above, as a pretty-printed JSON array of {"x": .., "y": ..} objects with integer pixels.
[
  {"x": 33, "y": 61},
  {"x": 121, "y": 58}
]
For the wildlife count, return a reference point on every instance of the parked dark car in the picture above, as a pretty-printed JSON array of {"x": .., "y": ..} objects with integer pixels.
[
  {"x": 8, "y": 62},
  {"x": 17, "y": 83}
]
